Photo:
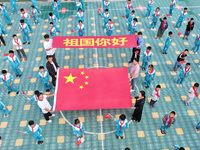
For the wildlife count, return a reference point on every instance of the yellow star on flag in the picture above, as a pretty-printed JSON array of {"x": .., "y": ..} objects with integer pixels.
[
  {"x": 81, "y": 87},
  {"x": 82, "y": 73},
  {"x": 86, "y": 83},
  {"x": 70, "y": 78},
  {"x": 86, "y": 77}
]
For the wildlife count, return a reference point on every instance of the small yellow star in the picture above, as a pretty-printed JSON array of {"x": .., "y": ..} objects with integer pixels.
[
  {"x": 70, "y": 78},
  {"x": 82, "y": 73},
  {"x": 81, "y": 87},
  {"x": 86, "y": 83},
  {"x": 86, "y": 77}
]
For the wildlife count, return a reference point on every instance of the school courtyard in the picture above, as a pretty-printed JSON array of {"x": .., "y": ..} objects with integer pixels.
[{"x": 145, "y": 135}]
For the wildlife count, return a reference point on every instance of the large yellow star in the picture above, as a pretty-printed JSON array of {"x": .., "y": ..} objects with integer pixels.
[{"x": 70, "y": 78}]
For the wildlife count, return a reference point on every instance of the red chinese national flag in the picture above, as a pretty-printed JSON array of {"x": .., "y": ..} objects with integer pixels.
[{"x": 80, "y": 89}]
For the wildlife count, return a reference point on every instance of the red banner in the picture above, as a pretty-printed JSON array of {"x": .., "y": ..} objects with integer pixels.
[
  {"x": 94, "y": 41},
  {"x": 79, "y": 89}
]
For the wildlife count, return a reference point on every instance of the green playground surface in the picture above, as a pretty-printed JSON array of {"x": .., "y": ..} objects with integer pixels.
[{"x": 139, "y": 136}]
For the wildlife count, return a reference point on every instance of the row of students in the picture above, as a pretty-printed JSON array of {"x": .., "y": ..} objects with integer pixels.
[{"x": 14, "y": 7}]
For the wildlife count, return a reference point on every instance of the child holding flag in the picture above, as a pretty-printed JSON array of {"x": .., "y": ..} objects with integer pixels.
[
  {"x": 130, "y": 19},
  {"x": 7, "y": 79},
  {"x": 52, "y": 18},
  {"x": 78, "y": 5},
  {"x": 162, "y": 28},
  {"x": 17, "y": 45},
  {"x": 106, "y": 17},
  {"x": 189, "y": 28},
  {"x": 181, "y": 18},
  {"x": 155, "y": 15},
  {"x": 134, "y": 25},
  {"x": 80, "y": 28},
  {"x": 195, "y": 49},
  {"x": 79, "y": 130},
  {"x": 192, "y": 93},
  {"x": 121, "y": 124},
  {"x": 34, "y": 15},
  {"x": 109, "y": 27},
  {"x": 34, "y": 3},
  {"x": 168, "y": 121},
  {"x": 128, "y": 7},
  {"x": 14, "y": 63},
  {"x": 25, "y": 32},
  {"x": 172, "y": 7},
  {"x": 44, "y": 77},
  {"x": 149, "y": 8},
  {"x": 150, "y": 75},
  {"x": 25, "y": 16},
  {"x": 4, "y": 109},
  {"x": 167, "y": 43},
  {"x": 185, "y": 72},
  {"x": 80, "y": 15},
  {"x": 146, "y": 58},
  {"x": 14, "y": 6},
  {"x": 5, "y": 14},
  {"x": 52, "y": 30},
  {"x": 155, "y": 96},
  {"x": 35, "y": 131},
  {"x": 35, "y": 98},
  {"x": 55, "y": 10}
]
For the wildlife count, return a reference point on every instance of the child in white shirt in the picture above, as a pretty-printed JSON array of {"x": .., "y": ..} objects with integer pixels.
[
  {"x": 191, "y": 94},
  {"x": 155, "y": 96}
]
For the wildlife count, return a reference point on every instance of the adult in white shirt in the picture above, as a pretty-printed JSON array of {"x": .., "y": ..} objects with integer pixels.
[
  {"x": 52, "y": 68},
  {"x": 45, "y": 106},
  {"x": 48, "y": 46},
  {"x": 17, "y": 45}
]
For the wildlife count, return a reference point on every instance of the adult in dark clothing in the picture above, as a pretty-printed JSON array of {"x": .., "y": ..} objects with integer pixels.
[
  {"x": 181, "y": 57},
  {"x": 136, "y": 50},
  {"x": 52, "y": 68},
  {"x": 162, "y": 28},
  {"x": 138, "y": 108},
  {"x": 189, "y": 28}
]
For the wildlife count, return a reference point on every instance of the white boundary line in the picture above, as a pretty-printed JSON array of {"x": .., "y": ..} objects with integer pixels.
[
  {"x": 55, "y": 95},
  {"x": 100, "y": 111}
]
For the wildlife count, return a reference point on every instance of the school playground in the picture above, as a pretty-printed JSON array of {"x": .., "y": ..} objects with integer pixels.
[{"x": 145, "y": 135}]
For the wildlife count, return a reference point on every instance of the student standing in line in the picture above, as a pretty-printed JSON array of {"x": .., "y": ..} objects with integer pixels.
[
  {"x": 14, "y": 63},
  {"x": 189, "y": 28},
  {"x": 181, "y": 18},
  {"x": 192, "y": 93},
  {"x": 7, "y": 79},
  {"x": 121, "y": 125},
  {"x": 149, "y": 8},
  {"x": 168, "y": 121},
  {"x": 172, "y": 7},
  {"x": 17, "y": 45}
]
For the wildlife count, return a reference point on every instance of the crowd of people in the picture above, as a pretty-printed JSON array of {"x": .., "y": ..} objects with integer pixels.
[{"x": 52, "y": 66}]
